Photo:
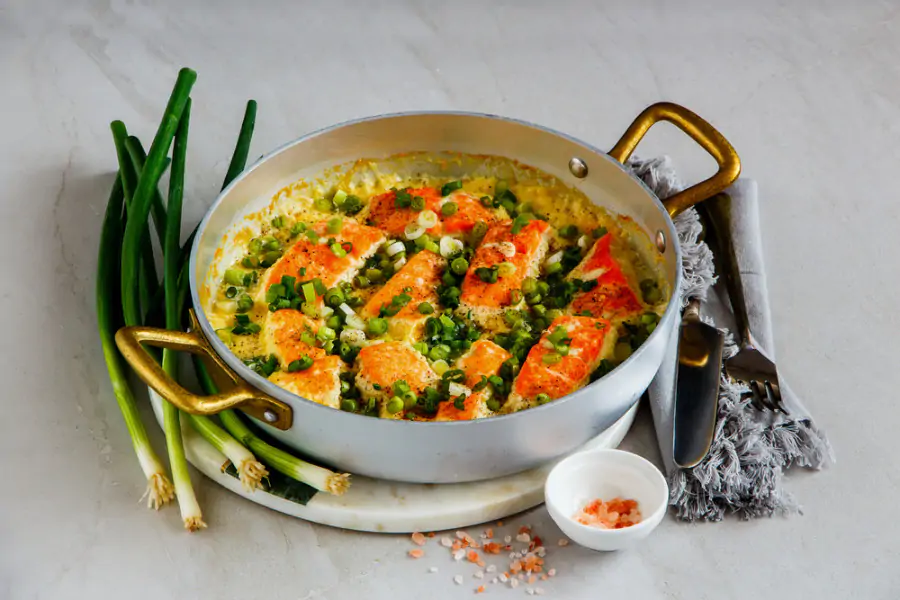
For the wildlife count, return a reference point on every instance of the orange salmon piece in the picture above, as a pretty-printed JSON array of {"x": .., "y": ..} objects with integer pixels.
[
  {"x": 381, "y": 365},
  {"x": 418, "y": 279},
  {"x": 384, "y": 215},
  {"x": 468, "y": 212},
  {"x": 489, "y": 299},
  {"x": 320, "y": 382},
  {"x": 319, "y": 260},
  {"x": 613, "y": 297},
  {"x": 592, "y": 340},
  {"x": 282, "y": 332},
  {"x": 482, "y": 360}
]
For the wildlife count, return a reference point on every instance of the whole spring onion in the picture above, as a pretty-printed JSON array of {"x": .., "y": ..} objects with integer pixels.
[
  {"x": 175, "y": 292},
  {"x": 242, "y": 147},
  {"x": 318, "y": 477},
  {"x": 157, "y": 209},
  {"x": 140, "y": 203},
  {"x": 159, "y": 488},
  {"x": 147, "y": 285},
  {"x": 250, "y": 471}
]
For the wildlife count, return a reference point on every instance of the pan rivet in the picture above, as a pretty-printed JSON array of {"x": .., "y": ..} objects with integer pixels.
[
  {"x": 578, "y": 168},
  {"x": 269, "y": 416},
  {"x": 660, "y": 241}
]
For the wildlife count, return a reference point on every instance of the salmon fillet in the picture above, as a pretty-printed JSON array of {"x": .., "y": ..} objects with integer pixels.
[
  {"x": 592, "y": 340},
  {"x": 418, "y": 279},
  {"x": 282, "y": 337},
  {"x": 612, "y": 298},
  {"x": 379, "y": 366},
  {"x": 486, "y": 301},
  {"x": 469, "y": 211},
  {"x": 384, "y": 214},
  {"x": 319, "y": 260},
  {"x": 482, "y": 360}
]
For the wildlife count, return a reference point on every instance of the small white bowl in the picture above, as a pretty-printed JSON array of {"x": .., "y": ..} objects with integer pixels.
[{"x": 605, "y": 474}]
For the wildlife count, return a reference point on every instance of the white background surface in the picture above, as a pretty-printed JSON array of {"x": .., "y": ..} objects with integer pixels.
[{"x": 806, "y": 91}]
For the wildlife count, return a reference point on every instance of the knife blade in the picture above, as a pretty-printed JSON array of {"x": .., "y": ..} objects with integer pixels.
[{"x": 697, "y": 387}]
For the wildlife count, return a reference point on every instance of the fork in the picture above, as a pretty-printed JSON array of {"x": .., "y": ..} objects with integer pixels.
[{"x": 751, "y": 364}]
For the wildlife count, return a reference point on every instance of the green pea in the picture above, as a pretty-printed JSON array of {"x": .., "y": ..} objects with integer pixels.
[
  {"x": 553, "y": 268},
  {"x": 542, "y": 398},
  {"x": 377, "y": 326},
  {"x": 374, "y": 275},
  {"x": 479, "y": 231},
  {"x": 459, "y": 266},
  {"x": 349, "y": 405},
  {"x": 425, "y": 308},
  {"x": 449, "y": 209},
  {"x": 554, "y": 313},
  {"x": 395, "y": 405},
  {"x": 539, "y": 310},
  {"x": 334, "y": 225},
  {"x": 493, "y": 404},
  {"x": 417, "y": 203},
  {"x": 334, "y": 321}
]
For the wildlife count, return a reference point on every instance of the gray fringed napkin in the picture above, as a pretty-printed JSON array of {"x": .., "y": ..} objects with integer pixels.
[{"x": 750, "y": 450}]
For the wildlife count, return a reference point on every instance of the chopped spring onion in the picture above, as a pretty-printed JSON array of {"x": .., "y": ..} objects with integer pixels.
[
  {"x": 507, "y": 249},
  {"x": 417, "y": 203},
  {"x": 542, "y": 398},
  {"x": 426, "y": 308},
  {"x": 374, "y": 275},
  {"x": 338, "y": 250},
  {"x": 301, "y": 364},
  {"x": 449, "y": 209},
  {"x": 413, "y": 231},
  {"x": 334, "y": 225},
  {"x": 506, "y": 269},
  {"x": 427, "y": 219},
  {"x": 598, "y": 232},
  {"x": 323, "y": 204},
  {"x": 487, "y": 274},
  {"x": 555, "y": 258},
  {"x": 457, "y": 389},
  {"x": 244, "y": 303},
  {"x": 235, "y": 276},
  {"x": 395, "y": 248},
  {"x": 355, "y": 322},
  {"x": 353, "y": 336},
  {"x": 553, "y": 268},
  {"x": 440, "y": 366},
  {"x": 326, "y": 311},
  {"x": 400, "y": 262},
  {"x": 450, "y": 246},
  {"x": 583, "y": 242},
  {"x": 340, "y": 197},
  {"x": 450, "y": 187},
  {"x": 325, "y": 334},
  {"x": 345, "y": 308},
  {"x": 334, "y": 297},
  {"x": 551, "y": 358},
  {"x": 309, "y": 292}
]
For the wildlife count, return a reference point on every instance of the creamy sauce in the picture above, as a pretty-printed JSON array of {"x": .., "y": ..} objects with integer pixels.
[{"x": 239, "y": 308}]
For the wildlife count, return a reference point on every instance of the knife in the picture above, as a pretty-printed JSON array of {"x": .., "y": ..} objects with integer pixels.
[{"x": 697, "y": 387}]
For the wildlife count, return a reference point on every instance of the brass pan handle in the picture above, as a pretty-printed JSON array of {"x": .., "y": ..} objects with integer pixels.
[
  {"x": 252, "y": 401},
  {"x": 701, "y": 132}
]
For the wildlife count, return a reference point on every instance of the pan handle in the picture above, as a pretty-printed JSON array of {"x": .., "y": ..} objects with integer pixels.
[
  {"x": 701, "y": 132},
  {"x": 255, "y": 403}
]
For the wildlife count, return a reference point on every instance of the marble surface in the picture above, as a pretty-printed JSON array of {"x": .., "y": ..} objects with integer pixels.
[{"x": 806, "y": 91}]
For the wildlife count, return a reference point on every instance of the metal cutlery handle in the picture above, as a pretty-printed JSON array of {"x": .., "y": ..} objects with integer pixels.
[{"x": 719, "y": 218}]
